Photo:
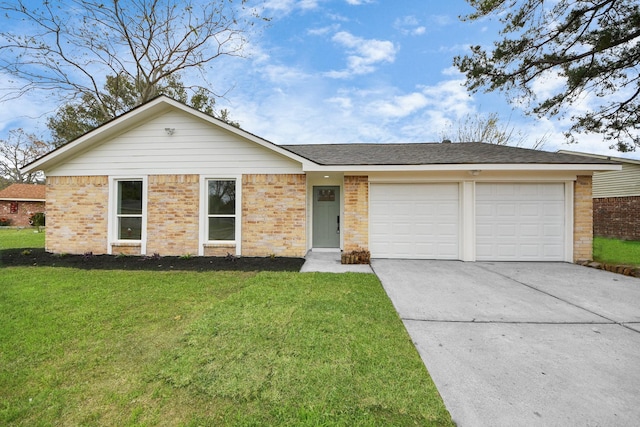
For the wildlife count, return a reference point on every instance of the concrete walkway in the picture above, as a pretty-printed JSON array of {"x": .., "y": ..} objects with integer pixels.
[
  {"x": 329, "y": 262},
  {"x": 523, "y": 344}
]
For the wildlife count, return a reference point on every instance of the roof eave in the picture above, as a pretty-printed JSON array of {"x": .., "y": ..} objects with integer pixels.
[{"x": 312, "y": 167}]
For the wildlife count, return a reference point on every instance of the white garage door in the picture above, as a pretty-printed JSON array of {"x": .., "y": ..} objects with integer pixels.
[
  {"x": 418, "y": 221},
  {"x": 520, "y": 222}
]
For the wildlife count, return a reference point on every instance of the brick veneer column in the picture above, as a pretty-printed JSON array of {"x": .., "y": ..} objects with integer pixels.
[
  {"x": 173, "y": 214},
  {"x": 274, "y": 215},
  {"x": 583, "y": 219},
  {"x": 77, "y": 213},
  {"x": 356, "y": 213}
]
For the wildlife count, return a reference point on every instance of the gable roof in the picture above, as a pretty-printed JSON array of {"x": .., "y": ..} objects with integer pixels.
[
  {"x": 30, "y": 192},
  {"x": 136, "y": 116},
  {"x": 433, "y": 154}
]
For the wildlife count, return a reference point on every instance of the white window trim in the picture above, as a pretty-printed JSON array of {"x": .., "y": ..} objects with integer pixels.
[
  {"x": 204, "y": 214},
  {"x": 112, "y": 221}
]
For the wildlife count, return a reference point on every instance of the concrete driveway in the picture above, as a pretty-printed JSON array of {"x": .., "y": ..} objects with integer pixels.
[{"x": 523, "y": 344}]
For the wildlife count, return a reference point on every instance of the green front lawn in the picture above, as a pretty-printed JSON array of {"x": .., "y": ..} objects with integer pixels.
[
  {"x": 11, "y": 238},
  {"x": 131, "y": 348},
  {"x": 615, "y": 251}
]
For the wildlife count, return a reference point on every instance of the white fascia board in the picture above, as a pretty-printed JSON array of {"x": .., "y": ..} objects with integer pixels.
[{"x": 312, "y": 167}]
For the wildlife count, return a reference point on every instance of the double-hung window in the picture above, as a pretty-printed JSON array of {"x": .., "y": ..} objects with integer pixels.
[
  {"x": 221, "y": 210},
  {"x": 129, "y": 210}
]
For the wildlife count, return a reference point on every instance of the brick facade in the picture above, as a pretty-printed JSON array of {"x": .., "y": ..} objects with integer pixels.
[
  {"x": 77, "y": 212},
  {"x": 617, "y": 217},
  {"x": 25, "y": 210},
  {"x": 274, "y": 215},
  {"x": 173, "y": 214},
  {"x": 356, "y": 213},
  {"x": 583, "y": 219}
]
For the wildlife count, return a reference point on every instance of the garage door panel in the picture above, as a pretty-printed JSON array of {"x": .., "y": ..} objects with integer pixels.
[
  {"x": 526, "y": 222},
  {"x": 429, "y": 216}
]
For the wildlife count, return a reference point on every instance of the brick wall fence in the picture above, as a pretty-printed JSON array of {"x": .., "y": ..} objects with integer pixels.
[
  {"x": 25, "y": 210},
  {"x": 617, "y": 217}
]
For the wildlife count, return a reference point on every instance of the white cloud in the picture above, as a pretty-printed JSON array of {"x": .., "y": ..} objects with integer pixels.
[
  {"x": 358, "y": 2},
  {"x": 365, "y": 54},
  {"x": 285, "y": 7},
  {"x": 419, "y": 31},
  {"x": 451, "y": 97},
  {"x": 400, "y": 106},
  {"x": 409, "y": 25},
  {"x": 323, "y": 30}
]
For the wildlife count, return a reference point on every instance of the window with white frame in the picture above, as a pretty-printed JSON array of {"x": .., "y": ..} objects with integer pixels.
[
  {"x": 129, "y": 210},
  {"x": 221, "y": 209}
]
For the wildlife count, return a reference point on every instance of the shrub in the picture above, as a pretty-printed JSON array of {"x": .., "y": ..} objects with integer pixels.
[
  {"x": 37, "y": 219},
  {"x": 4, "y": 222}
]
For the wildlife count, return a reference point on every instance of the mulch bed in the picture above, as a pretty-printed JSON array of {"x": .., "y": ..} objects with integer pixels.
[{"x": 38, "y": 257}]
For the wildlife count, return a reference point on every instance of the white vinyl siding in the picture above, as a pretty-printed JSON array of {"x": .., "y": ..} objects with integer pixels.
[
  {"x": 196, "y": 147},
  {"x": 417, "y": 221},
  {"x": 520, "y": 222}
]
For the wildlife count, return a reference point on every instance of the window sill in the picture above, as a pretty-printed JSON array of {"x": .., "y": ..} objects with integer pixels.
[
  {"x": 127, "y": 244},
  {"x": 221, "y": 244}
]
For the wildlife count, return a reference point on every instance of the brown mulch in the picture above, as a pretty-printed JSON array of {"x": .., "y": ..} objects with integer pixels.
[{"x": 38, "y": 257}]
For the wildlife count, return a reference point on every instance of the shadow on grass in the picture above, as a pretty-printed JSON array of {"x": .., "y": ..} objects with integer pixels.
[{"x": 40, "y": 258}]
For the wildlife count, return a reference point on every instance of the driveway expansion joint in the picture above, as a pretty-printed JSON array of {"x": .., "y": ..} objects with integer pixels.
[{"x": 508, "y": 277}]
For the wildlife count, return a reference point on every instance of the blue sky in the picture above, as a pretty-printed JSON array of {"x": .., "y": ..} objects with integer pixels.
[{"x": 340, "y": 71}]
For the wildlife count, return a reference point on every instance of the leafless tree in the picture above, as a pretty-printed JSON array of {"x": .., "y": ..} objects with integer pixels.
[
  {"x": 66, "y": 47},
  {"x": 18, "y": 149},
  {"x": 488, "y": 128}
]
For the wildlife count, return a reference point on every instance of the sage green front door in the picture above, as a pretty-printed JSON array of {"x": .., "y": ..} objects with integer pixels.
[{"x": 326, "y": 217}]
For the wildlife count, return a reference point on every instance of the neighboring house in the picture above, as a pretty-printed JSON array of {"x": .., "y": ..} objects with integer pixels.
[
  {"x": 616, "y": 199},
  {"x": 18, "y": 202},
  {"x": 165, "y": 178}
]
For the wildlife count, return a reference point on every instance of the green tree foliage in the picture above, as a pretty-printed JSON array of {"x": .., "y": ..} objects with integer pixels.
[
  {"x": 118, "y": 96},
  {"x": 578, "y": 49}
]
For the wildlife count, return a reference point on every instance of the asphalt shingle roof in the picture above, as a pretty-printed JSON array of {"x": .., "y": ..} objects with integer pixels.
[
  {"x": 23, "y": 192},
  {"x": 432, "y": 154}
]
